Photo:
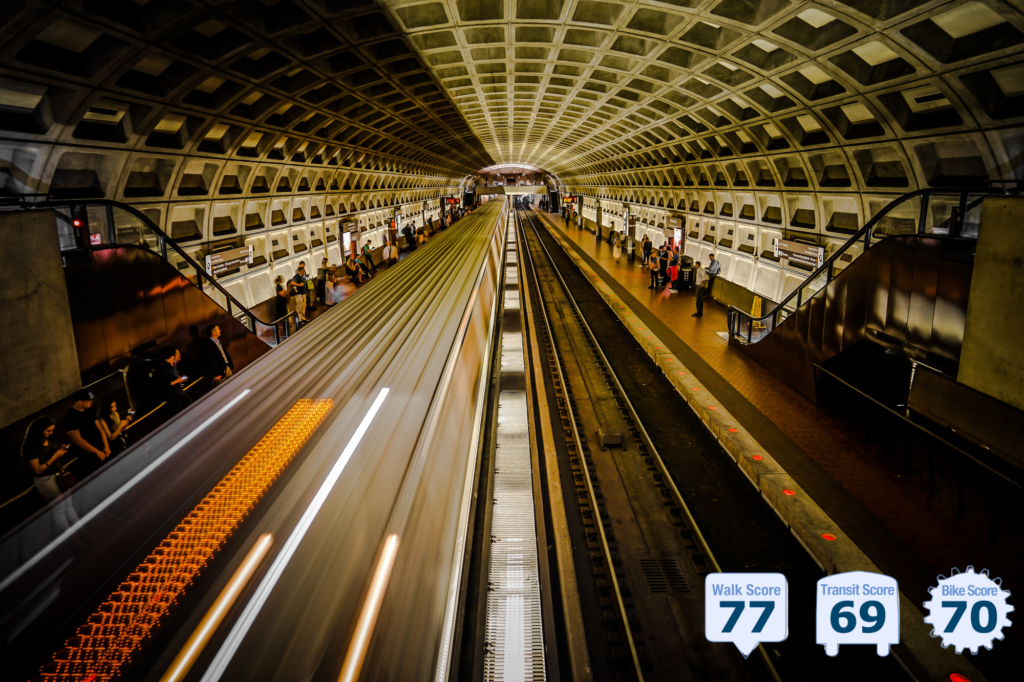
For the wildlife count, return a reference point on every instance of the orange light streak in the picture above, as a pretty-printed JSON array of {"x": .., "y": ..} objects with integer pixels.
[
  {"x": 212, "y": 620},
  {"x": 130, "y": 615},
  {"x": 368, "y": 616}
]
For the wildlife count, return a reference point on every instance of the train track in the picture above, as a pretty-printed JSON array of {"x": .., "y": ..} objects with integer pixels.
[
  {"x": 668, "y": 455},
  {"x": 649, "y": 636}
]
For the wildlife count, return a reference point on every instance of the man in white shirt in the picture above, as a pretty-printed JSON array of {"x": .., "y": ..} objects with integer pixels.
[
  {"x": 714, "y": 267},
  {"x": 700, "y": 279}
]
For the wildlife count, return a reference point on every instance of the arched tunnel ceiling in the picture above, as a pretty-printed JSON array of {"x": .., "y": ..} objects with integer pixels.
[
  {"x": 397, "y": 101},
  {"x": 590, "y": 87},
  {"x": 294, "y": 84}
]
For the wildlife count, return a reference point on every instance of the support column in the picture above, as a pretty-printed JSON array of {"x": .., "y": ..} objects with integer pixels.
[{"x": 40, "y": 364}]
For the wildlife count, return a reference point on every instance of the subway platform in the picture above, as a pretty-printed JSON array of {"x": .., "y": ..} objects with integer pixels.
[{"x": 910, "y": 532}]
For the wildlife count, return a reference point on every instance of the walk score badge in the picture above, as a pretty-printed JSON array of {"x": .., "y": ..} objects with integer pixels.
[
  {"x": 968, "y": 610},
  {"x": 746, "y": 609}
]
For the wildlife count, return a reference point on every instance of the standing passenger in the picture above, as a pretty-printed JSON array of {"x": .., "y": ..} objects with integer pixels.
[
  {"x": 331, "y": 292},
  {"x": 280, "y": 298},
  {"x": 368, "y": 256},
  {"x": 617, "y": 249},
  {"x": 297, "y": 301},
  {"x": 45, "y": 462},
  {"x": 113, "y": 426},
  {"x": 169, "y": 384},
  {"x": 673, "y": 267},
  {"x": 89, "y": 447},
  {"x": 216, "y": 356},
  {"x": 307, "y": 292},
  {"x": 646, "y": 248},
  {"x": 652, "y": 267},
  {"x": 700, "y": 278},
  {"x": 714, "y": 267},
  {"x": 663, "y": 264}
]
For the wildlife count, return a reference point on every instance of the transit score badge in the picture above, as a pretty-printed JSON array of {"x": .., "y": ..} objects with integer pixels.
[
  {"x": 858, "y": 608},
  {"x": 968, "y": 610},
  {"x": 746, "y": 609}
]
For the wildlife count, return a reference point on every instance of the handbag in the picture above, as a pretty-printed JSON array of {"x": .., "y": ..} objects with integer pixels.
[{"x": 65, "y": 479}]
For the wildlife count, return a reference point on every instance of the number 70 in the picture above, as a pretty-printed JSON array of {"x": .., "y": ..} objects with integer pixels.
[{"x": 737, "y": 609}]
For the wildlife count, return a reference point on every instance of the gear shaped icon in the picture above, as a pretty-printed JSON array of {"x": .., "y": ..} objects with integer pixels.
[{"x": 968, "y": 610}]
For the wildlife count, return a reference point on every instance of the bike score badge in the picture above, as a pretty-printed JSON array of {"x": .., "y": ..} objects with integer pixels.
[{"x": 968, "y": 610}]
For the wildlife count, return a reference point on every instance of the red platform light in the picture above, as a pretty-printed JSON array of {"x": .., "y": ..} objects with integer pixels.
[
  {"x": 757, "y": 457},
  {"x": 828, "y": 536},
  {"x": 789, "y": 492},
  {"x": 736, "y": 430}
]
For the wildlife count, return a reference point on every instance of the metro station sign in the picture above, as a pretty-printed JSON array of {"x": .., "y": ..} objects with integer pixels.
[
  {"x": 674, "y": 222},
  {"x": 571, "y": 200},
  {"x": 451, "y": 201},
  {"x": 798, "y": 252},
  {"x": 219, "y": 263}
]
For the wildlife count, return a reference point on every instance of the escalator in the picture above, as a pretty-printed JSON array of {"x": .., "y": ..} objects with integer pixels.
[
  {"x": 130, "y": 292},
  {"x": 906, "y": 293},
  {"x": 911, "y": 342}
]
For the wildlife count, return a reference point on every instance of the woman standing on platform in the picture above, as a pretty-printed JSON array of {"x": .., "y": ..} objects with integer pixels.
[
  {"x": 330, "y": 293},
  {"x": 46, "y": 465},
  {"x": 617, "y": 249},
  {"x": 645, "y": 247},
  {"x": 673, "y": 266}
]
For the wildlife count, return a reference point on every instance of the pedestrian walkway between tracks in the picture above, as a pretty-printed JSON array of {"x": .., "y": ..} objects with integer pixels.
[{"x": 906, "y": 532}]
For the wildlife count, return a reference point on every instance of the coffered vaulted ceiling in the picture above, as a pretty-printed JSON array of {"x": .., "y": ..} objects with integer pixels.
[{"x": 587, "y": 86}]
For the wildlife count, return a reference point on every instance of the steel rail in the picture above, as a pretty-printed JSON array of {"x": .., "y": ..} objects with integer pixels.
[
  {"x": 659, "y": 463},
  {"x": 605, "y": 549}
]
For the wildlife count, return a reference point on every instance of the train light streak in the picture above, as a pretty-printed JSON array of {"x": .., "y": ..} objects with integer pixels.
[
  {"x": 197, "y": 642},
  {"x": 252, "y": 609},
  {"x": 126, "y": 620},
  {"x": 368, "y": 616}
]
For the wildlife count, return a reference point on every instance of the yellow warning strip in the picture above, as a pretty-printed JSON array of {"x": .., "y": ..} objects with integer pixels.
[{"x": 121, "y": 625}]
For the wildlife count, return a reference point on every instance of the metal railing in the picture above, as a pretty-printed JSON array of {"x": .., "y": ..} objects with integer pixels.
[
  {"x": 742, "y": 323},
  {"x": 125, "y": 225}
]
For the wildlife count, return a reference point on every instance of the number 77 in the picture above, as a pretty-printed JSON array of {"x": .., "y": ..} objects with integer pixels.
[{"x": 737, "y": 609}]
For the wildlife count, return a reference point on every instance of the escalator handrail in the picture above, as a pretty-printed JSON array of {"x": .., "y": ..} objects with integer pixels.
[
  {"x": 734, "y": 314},
  {"x": 22, "y": 201}
]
